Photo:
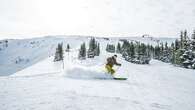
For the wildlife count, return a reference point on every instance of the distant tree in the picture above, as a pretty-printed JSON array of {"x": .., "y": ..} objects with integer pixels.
[
  {"x": 98, "y": 50},
  {"x": 92, "y": 44},
  {"x": 177, "y": 45},
  {"x": 94, "y": 48},
  {"x": 6, "y": 43},
  {"x": 67, "y": 48},
  {"x": 173, "y": 53},
  {"x": 193, "y": 41},
  {"x": 181, "y": 40},
  {"x": 59, "y": 52},
  {"x": 82, "y": 52},
  {"x": 157, "y": 52},
  {"x": 110, "y": 48},
  {"x": 131, "y": 50},
  {"x": 118, "y": 49}
]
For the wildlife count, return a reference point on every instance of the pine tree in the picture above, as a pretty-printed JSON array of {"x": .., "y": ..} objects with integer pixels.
[
  {"x": 131, "y": 50},
  {"x": 157, "y": 52},
  {"x": 172, "y": 53},
  {"x": 177, "y": 46},
  {"x": 125, "y": 46},
  {"x": 67, "y": 48},
  {"x": 143, "y": 49},
  {"x": 92, "y": 44},
  {"x": 94, "y": 49},
  {"x": 110, "y": 48},
  {"x": 193, "y": 41},
  {"x": 185, "y": 40},
  {"x": 193, "y": 35},
  {"x": 152, "y": 51},
  {"x": 59, "y": 55},
  {"x": 181, "y": 40},
  {"x": 82, "y": 52},
  {"x": 118, "y": 50},
  {"x": 6, "y": 43},
  {"x": 98, "y": 49}
]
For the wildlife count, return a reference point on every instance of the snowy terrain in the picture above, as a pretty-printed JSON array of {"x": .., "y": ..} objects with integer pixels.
[
  {"x": 84, "y": 85},
  {"x": 23, "y": 53}
]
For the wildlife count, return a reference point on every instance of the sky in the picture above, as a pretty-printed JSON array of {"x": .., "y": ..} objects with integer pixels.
[{"x": 110, "y": 18}]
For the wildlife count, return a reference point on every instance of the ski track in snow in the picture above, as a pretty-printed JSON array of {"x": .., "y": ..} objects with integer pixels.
[{"x": 83, "y": 85}]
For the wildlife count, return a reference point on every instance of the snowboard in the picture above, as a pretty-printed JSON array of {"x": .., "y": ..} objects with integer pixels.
[{"x": 119, "y": 78}]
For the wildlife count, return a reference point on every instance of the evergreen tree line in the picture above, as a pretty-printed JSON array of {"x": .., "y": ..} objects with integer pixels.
[
  {"x": 180, "y": 53},
  {"x": 135, "y": 52},
  {"x": 183, "y": 50},
  {"x": 93, "y": 50}
]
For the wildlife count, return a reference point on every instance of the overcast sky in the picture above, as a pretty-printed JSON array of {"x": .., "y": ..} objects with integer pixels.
[{"x": 159, "y": 18}]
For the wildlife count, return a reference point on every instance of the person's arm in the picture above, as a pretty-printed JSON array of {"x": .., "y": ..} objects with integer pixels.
[{"x": 116, "y": 63}]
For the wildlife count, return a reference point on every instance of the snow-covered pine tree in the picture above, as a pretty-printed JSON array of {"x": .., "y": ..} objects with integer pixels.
[
  {"x": 143, "y": 49},
  {"x": 93, "y": 50},
  {"x": 124, "y": 48},
  {"x": 92, "y": 44},
  {"x": 136, "y": 52},
  {"x": 192, "y": 45},
  {"x": 184, "y": 53},
  {"x": 166, "y": 53},
  {"x": 148, "y": 51},
  {"x": 193, "y": 41},
  {"x": 67, "y": 48},
  {"x": 172, "y": 48},
  {"x": 98, "y": 49},
  {"x": 151, "y": 49},
  {"x": 82, "y": 52},
  {"x": 131, "y": 51},
  {"x": 110, "y": 48},
  {"x": 118, "y": 48},
  {"x": 59, "y": 55},
  {"x": 177, "y": 45},
  {"x": 180, "y": 51},
  {"x": 157, "y": 52},
  {"x": 181, "y": 40}
]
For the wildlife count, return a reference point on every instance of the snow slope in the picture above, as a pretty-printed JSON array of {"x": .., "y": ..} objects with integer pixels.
[
  {"x": 83, "y": 85},
  {"x": 25, "y": 52}
]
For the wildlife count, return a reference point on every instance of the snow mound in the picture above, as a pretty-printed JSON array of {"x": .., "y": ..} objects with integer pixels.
[{"x": 86, "y": 73}]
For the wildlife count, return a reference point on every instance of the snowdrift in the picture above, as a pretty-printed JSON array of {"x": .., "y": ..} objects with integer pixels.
[{"x": 86, "y": 73}]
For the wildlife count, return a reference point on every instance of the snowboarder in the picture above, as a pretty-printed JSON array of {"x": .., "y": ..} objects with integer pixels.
[{"x": 111, "y": 61}]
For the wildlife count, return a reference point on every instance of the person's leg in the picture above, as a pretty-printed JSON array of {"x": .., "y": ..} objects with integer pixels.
[
  {"x": 109, "y": 69},
  {"x": 112, "y": 71}
]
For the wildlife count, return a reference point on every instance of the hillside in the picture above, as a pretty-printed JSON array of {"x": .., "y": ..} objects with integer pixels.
[
  {"x": 23, "y": 53},
  {"x": 41, "y": 84},
  {"x": 84, "y": 85}
]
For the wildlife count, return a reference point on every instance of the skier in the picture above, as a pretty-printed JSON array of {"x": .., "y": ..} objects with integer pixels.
[{"x": 111, "y": 61}]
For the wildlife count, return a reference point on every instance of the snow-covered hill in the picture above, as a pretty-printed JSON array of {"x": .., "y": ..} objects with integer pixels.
[
  {"x": 20, "y": 54},
  {"x": 83, "y": 85},
  {"x": 23, "y": 53}
]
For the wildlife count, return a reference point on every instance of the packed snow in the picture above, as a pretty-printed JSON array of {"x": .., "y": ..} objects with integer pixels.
[{"x": 85, "y": 85}]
